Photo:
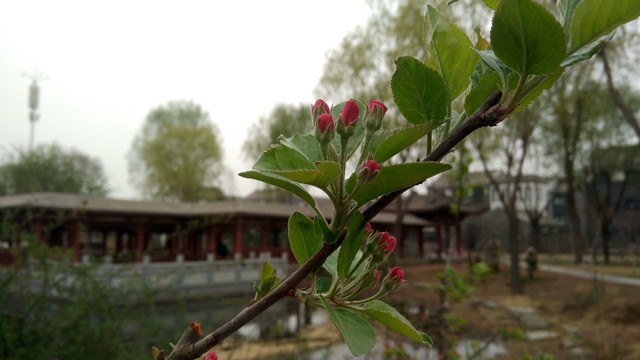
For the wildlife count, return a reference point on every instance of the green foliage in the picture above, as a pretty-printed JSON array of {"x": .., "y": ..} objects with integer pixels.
[
  {"x": 63, "y": 319},
  {"x": 176, "y": 155},
  {"x": 51, "y": 168},
  {"x": 527, "y": 38},
  {"x": 507, "y": 333},
  {"x": 419, "y": 91},
  {"x": 303, "y": 240},
  {"x": 269, "y": 280},
  {"x": 283, "y": 121},
  {"x": 356, "y": 331}
]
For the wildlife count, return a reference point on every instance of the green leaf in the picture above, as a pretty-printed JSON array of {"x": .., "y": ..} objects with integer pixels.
[
  {"x": 527, "y": 38},
  {"x": 282, "y": 183},
  {"x": 269, "y": 280},
  {"x": 449, "y": 50},
  {"x": 587, "y": 52},
  {"x": 593, "y": 20},
  {"x": 280, "y": 157},
  {"x": 321, "y": 227},
  {"x": 356, "y": 331},
  {"x": 492, "y": 61},
  {"x": 390, "y": 317},
  {"x": 331, "y": 264},
  {"x": 566, "y": 8},
  {"x": 396, "y": 177},
  {"x": 397, "y": 140},
  {"x": 350, "y": 245},
  {"x": 493, "y": 4},
  {"x": 487, "y": 85},
  {"x": 536, "y": 91},
  {"x": 303, "y": 240},
  {"x": 321, "y": 177},
  {"x": 323, "y": 284},
  {"x": 305, "y": 144},
  {"x": 419, "y": 91}
]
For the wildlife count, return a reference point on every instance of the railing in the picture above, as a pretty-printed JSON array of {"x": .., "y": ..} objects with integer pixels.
[{"x": 163, "y": 279}]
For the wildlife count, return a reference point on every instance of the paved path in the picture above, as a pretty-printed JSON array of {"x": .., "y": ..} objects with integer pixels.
[{"x": 586, "y": 274}]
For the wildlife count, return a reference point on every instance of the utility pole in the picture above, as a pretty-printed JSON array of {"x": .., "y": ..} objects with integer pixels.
[{"x": 34, "y": 102}]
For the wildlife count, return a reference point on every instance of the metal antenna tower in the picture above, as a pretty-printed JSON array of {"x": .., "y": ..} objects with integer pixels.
[{"x": 34, "y": 102}]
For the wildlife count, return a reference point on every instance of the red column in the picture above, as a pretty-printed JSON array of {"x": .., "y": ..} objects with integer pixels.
[
  {"x": 237, "y": 249},
  {"x": 263, "y": 233},
  {"x": 139, "y": 241},
  {"x": 37, "y": 230}
]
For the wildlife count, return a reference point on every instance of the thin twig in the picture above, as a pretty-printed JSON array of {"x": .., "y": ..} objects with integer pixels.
[{"x": 488, "y": 114}]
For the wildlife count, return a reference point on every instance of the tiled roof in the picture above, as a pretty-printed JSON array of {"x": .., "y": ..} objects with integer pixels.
[{"x": 97, "y": 204}]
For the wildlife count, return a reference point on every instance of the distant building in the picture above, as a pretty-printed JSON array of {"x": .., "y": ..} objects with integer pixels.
[{"x": 100, "y": 228}]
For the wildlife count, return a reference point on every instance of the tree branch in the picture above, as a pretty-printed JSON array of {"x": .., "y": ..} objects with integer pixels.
[
  {"x": 488, "y": 114},
  {"x": 615, "y": 95}
]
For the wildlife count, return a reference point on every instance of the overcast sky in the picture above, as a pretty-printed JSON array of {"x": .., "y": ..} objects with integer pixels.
[{"x": 108, "y": 63}]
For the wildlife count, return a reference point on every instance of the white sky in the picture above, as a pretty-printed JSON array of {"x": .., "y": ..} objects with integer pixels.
[{"x": 109, "y": 62}]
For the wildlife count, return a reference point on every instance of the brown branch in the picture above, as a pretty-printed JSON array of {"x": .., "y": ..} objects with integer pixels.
[
  {"x": 615, "y": 95},
  {"x": 488, "y": 114}
]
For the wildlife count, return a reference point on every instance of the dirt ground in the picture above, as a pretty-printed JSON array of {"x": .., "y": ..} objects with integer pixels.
[
  {"x": 592, "y": 320},
  {"x": 600, "y": 318}
]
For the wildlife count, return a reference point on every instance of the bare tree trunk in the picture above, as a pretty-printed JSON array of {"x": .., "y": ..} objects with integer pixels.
[{"x": 514, "y": 253}]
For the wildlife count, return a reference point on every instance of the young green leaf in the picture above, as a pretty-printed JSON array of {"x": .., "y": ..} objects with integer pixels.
[
  {"x": 493, "y": 4},
  {"x": 397, "y": 140},
  {"x": 282, "y": 183},
  {"x": 454, "y": 62},
  {"x": 303, "y": 240},
  {"x": 487, "y": 85},
  {"x": 396, "y": 177},
  {"x": 527, "y": 38},
  {"x": 566, "y": 8},
  {"x": 305, "y": 144},
  {"x": 390, "y": 317},
  {"x": 356, "y": 331},
  {"x": 532, "y": 94},
  {"x": 419, "y": 91},
  {"x": 280, "y": 157},
  {"x": 321, "y": 177},
  {"x": 593, "y": 21},
  {"x": 350, "y": 245}
]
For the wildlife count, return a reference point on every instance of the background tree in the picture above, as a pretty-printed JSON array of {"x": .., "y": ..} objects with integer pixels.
[
  {"x": 285, "y": 120},
  {"x": 177, "y": 155},
  {"x": 50, "y": 167},
  {"x": 509, "y": 144}
]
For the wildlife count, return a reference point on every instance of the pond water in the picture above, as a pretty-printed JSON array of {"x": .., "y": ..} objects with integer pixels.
[{"x": 285, "y": 319}]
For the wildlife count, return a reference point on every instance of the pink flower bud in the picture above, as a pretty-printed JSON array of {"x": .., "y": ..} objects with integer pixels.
[
  {"x": 396, "y": 273},
  {"x": 350, "y": 112},
  {"x": 368, "y": 227},
  {"x": 376, "y": 275},
  {"x": 387, "y": 242},
  {"x": 377, "y": 105},
  {"x": 325, "y": 121},
  {"x": 211, "y": 356},
  {"x": 319, "y": 106},
  {"x": 371, "y": 165}
]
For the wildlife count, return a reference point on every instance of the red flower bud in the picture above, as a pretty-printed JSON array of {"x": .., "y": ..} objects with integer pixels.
[
  {"x": 387, "y": 242},
  {"x": 396, "y": 273},
  {"x": 371, "y": 165},
  {"x": 320, "y": 105},
  {"x": 211, "y": 356},
  {"x": 376, "y": 275},
  {"x": 368, "y": 227},
  {"x": 325, "y": 121},
  {"x": 377, "y": 105},
  {"x": 350, "y": 112}
]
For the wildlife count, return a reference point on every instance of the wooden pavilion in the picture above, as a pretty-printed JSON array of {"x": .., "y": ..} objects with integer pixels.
[{"x": 116, "y": 230}]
